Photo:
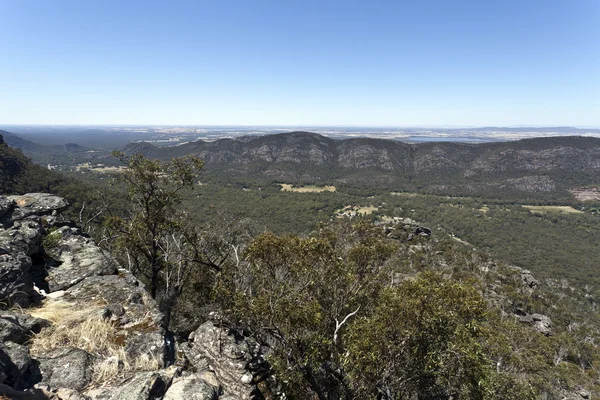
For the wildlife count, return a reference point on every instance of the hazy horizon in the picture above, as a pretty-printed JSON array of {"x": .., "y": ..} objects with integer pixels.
[{"x": 291, "y": 126}]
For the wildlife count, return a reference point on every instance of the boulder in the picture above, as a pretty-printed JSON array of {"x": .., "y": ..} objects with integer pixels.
[
  {"x": 22, "y": 237},
  {"x": 17, "y": 327},
  {"x": 584, "y": 394},
  {"x": 422, "y": 231},
  {"x": 66, "y": 368},
  {"x": 540, "y": 322},
  {"x": 16, "y": 285},
  {"x": 6, "y": 206},
  {"x": 20, "y": 365},
  {"x": 17, "y": 368},
  {"x": 143, "y": 386},
  {"x": 77, "y": 257},
  {"x": 11, "y": 332},
  {"x": 36, "y": 204},
  {"x": 7, "y": 392},
  {"x": 193, "y": 387},
  {"x": 528, "y": 279}
]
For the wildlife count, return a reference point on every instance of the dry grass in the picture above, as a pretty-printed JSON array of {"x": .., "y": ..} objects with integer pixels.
[
  {"x": 120, "y": 364},
  {"x": 553, "y": 209},
  {"x": 286, "y": 187},
  {"x": 85, "y": 328}
]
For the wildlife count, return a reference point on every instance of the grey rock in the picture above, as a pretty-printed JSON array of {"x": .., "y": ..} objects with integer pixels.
[
  {"x": 538, "y": 317},
  {"x": 422, "y": 231},
  {"x": 16, "y": 285},
  {"x": 20, "y": 362},
  {"x": 78, "y": 257},
  {"x": 528, "y": 279},
  {"x": 6, "y": 206},
  {"x": 143, "y": 386},
  {"x": 22, "y": 237},
  {"x": 66, "y": 368},
  {"x": 584, "y": 394},
  {"x": 5, "y": 365},
  {"x": 229, "y": 356},
  {"x": 69, "y": 394},
  {"x": 36, "y": 204},
  {"x": 192, "y": 387},
  {"x": 526, "y": 319},
  {"x": 29, "y": 394},
  {"x": 542, "y": 324},
  {"x": 11, "y": 332},
  {"x": 17, "y": 327},
  {"x": 539, "y": 322}
]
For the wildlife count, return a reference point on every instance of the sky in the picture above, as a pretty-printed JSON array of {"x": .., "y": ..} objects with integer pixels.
[{"x": 330, "y": 63}]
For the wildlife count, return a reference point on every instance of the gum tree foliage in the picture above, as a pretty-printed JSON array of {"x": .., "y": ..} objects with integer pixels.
[
  {"x": 421, "y": 342},
  {"x": 346, "y": 318},
  {"x": 300, "y": 294},
  {"x": 155, "y": 238}
]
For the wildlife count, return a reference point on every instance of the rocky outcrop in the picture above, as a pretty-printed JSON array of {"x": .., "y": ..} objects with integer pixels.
[
  {"x": 16, "y": 283},
  {"x": 523, "y": 166},
  {"x": 528, "y": 279},
  {"x": 539, "y": 322},
  {"x": 77, "y": 257},
  {"x": 236, "y": 361},
  {"x": 404, "y": 229},
  {"x": 99, "y": 334},
  {"x": 36, "y": 204}
]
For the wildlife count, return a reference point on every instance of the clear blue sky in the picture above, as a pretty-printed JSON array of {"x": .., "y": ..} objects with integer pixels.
[{"x": 361, "y": 63}]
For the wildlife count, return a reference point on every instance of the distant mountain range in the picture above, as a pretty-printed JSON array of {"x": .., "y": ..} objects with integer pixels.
[
  {"x": 41, "y": 153},
  {"x": 541, "y": 165},
  {"x": 548, "y": 167}
]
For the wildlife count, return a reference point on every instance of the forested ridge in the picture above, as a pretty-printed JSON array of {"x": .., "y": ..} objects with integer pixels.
[{"x": 540, "y": 167}]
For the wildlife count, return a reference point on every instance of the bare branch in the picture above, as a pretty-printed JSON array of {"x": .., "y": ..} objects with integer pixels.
[{"x": 338, "y": 325}]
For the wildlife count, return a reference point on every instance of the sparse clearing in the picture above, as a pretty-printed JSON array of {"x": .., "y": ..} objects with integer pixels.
[
  {"x": 101, "y": 168},
  {"x": 404, "y": 194},
  {"x": 586, "y": 193},
  {"x": 352, "y": 211},
  {"x": 366, "y": 210},
  {"x": 105, "y": 170},
  {"x": 552, "y": 209},
  {"x": 286, "y": 187}
]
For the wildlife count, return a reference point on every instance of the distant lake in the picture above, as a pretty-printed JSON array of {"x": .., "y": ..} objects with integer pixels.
[{"x": 463, "y": 139}]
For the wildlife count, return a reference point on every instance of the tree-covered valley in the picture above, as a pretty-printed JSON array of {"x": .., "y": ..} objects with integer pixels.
[{"x": 434, "y": 271}]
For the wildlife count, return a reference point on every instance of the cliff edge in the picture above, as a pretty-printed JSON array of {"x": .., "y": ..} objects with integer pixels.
[{"x": 74, "y": 324}]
